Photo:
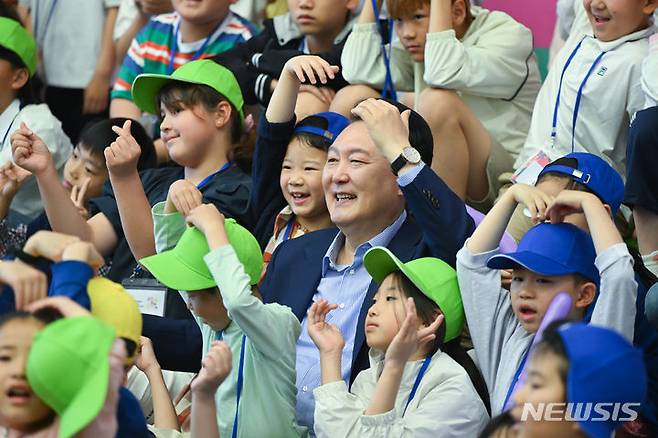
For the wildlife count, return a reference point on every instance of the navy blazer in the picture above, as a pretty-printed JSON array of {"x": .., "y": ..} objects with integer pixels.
[{"x": 437, "y": 226}]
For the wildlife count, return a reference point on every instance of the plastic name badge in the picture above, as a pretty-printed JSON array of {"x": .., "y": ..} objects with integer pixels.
[
  {"x": 149, "y": 293},
  {"x": 528, "y": 173}
]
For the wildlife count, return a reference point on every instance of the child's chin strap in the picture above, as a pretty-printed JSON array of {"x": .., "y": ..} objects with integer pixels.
[{"x": 389, "y": 88}]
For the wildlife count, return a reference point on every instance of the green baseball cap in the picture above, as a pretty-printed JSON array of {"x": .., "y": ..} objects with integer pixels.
[
  {"x": 203, "y": 72},
  {"x": 183, "y": 267},
  {"x": 14, "y": 37},
  {"x": 433, "y": 277},
  {"x": 68, "y": 368}
]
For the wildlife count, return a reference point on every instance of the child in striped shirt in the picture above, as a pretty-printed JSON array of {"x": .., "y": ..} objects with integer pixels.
[{"x": 195, "y": 30}]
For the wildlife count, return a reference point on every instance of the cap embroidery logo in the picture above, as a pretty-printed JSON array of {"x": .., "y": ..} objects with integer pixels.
[{"x": 602, "y": 71}]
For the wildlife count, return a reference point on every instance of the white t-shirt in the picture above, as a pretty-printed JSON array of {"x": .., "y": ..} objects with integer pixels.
[{"x": 68, "y": 34}]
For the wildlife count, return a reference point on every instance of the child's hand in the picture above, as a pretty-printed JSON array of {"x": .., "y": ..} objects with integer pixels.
[
  {"x": 388, "y": 128},
  {"x": 29, "y": 151},
  {"x": 205, "y": 217},
  {"x": 84, "y": 252},
  {"x": 183, "y": 197},
  {"x": 411, "y": 337},
  {"x": 123, "y": 154},
  {"x": 49, "y": 244},
  {"x": 65, "y": 306},
  {"x": 569, "y": 202},
  {"x": 146, "y": 361},
  {"x": 29, "y": 284},
  {"x": 78, "y": 198},
  {"x": 310, "y": 68},
  {"x": 534, "y": 200},
  {"x": 11, "y": 178},
  {"x": 325, "y": 336},
  {"x": 215, "y": 367}
]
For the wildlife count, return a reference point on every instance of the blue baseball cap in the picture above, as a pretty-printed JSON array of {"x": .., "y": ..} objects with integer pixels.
[
  {"x": 335, "y": 124},
  {"x": 594, "y": 173},
  {"x": 552, "y": 249},
  {"x": 603, "y": 368}
]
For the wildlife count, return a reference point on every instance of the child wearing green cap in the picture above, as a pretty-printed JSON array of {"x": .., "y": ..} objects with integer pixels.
[
  {"x": 202, "y": 113},
  {"x": 219, "y": 264},
  {"x": 18, "y": 64},
  {"x": 420, "y": 382}
]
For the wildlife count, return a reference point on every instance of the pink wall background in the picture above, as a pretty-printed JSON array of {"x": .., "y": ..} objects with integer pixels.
[{"x": 538, "y": 15}]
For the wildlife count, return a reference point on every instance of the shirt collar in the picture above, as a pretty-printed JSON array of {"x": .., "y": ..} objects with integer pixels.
[
  {"x": 381, "y": 239},
  {"x": 7, "y": 118}
]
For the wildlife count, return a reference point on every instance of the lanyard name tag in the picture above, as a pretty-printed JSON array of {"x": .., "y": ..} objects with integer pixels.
[
  {"x": 149, "y": 293},
  {"x": 529, "y": 172}
]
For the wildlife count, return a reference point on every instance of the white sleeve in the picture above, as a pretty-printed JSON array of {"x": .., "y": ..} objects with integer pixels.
[
  {"x": 363, "y": 63},
  {"x": 650, "y": 73},
  {"x": 495, "y": 67},
  {"x": 615, "y": 306},
  {"x": 127, "y": 13}
]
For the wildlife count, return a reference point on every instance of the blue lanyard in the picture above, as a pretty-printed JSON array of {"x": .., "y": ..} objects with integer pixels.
[
  {"x": 239, "y": 389},
  {"x": 578, "y": 95},
  {"x": 421, "y": 373},
  {"x": 389, "y": 87},
  {"x": 9, "y": 128},
  {"x": 174, "y": 44},
  {"x": 288, "y": 232},
  {"x": 519, "y": 370},
  {"x": 204, "y": 182},
  {"x": 48, "y": 18}
]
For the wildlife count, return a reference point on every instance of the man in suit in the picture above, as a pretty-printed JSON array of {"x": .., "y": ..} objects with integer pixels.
[{"x": 379, "y": 190}]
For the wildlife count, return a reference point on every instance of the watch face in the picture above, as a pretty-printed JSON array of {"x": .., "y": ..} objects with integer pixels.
[{"x": 411, "y": 155}]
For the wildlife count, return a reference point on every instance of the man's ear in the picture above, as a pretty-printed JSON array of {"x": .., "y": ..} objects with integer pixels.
[
  {"x": 223, "y": 113},
  {"x": 19, "y": 78},
  {"x": 585, "y": 295},
  {"x": 608, "y": 209}
]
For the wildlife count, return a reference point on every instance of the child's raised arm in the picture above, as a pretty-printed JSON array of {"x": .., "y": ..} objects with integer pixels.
[
  {"x": 32, "y": 154},
  {"x": 488, "y": 234},
  {"x": 328, "y": 339},
  {"x": 215, "y": 367},
  {"x": 134, "y": 208},
  {"x": 163, "y": 408},
  {"x": 367, "y": 14},
  {"x": 297, "y": 71},
  {"x": 601, "y": 226}
]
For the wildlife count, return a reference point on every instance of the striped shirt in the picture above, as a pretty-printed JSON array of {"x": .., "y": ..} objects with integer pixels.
[{"x": 151, "y": 50}]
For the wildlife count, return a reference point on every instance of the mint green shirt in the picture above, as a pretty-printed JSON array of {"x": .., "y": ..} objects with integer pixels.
[{"x": 267, "y": 403}]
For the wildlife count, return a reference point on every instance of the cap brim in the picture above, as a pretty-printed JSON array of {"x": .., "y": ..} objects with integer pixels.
[
  {"x": 530, "y": 261},
  {"x": 379, "y": 262},
  {"x": 90, "y": 399},
  {"x": 146, "y": 87},
  {"x": 170, "y": 271}
]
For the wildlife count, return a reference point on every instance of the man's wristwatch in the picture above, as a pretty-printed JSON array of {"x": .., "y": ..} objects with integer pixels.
[{"x": 408, "y": 155}]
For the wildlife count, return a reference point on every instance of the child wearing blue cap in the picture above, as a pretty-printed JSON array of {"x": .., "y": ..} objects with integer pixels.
[
  {"x": 551, "y": 258},
  {"x": 582, "y": 381},
  {"x": 295, "y": 154},
  {"x": 585, "y": 172}
]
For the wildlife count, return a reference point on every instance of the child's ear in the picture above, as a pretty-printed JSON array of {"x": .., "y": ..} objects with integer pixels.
[
  {"x": 608, "y": 209},
  {"x": 19, "y": 78},
  {"x": 585, "y": 295},
  {"x": 223, "y": 113},
  {"x": 459, "y": 12},
  {"x": 351, "y": 5},
  {"x": 650, "y": 6}
]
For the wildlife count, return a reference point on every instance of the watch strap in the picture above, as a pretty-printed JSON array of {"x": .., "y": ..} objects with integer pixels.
[{"x": 398, "y": 164}]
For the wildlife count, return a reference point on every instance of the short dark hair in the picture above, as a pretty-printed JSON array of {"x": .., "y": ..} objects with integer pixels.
[
  {"x": 98, "y": 134},
  {"x": 420, "y": 134},
  {"x": 552, "y": 343},
  {"x": 310, "y": 139},
  {"x": 179, "y": 95}
]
